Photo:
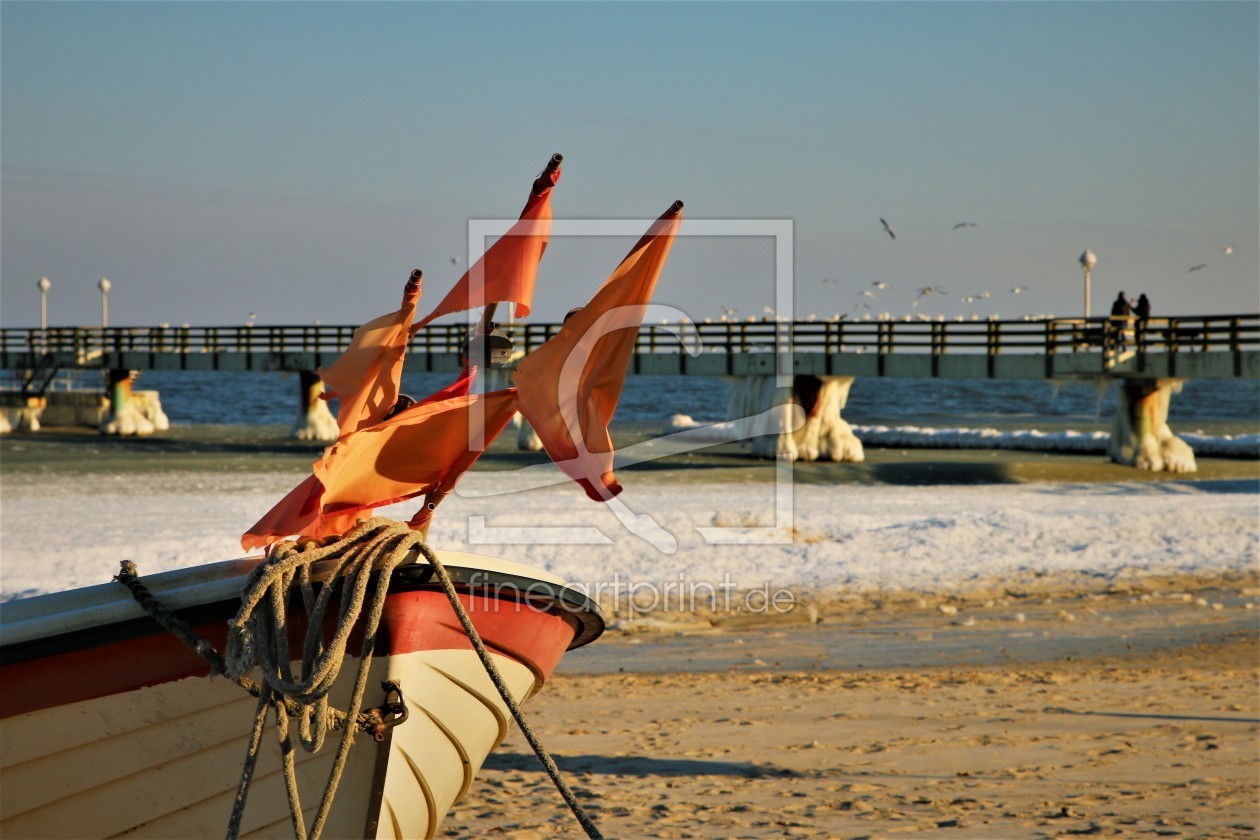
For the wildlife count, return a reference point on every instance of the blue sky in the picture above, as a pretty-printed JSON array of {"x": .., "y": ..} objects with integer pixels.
[{"x": 296, "y": 160}]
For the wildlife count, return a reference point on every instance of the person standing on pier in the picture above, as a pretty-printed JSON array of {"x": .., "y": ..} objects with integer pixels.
[
  {"x": 1143, "y": 308},
  {"x": 1121, "y": 311}
]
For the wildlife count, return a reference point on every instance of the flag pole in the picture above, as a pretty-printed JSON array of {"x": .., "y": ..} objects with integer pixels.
[
  {"x": 485, "y": 325},
  {"x": 542, "y": 182}
]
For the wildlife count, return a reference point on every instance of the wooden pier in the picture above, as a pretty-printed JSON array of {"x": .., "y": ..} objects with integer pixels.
[{"x": 1192, "y": 347}]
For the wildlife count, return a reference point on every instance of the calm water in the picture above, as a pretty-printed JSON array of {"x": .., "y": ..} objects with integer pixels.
[{"x": 1219, "y": 406}]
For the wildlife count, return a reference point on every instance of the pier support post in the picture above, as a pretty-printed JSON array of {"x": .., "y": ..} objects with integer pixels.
[
  {"x": 527, "y": 439},
  {"x": 126, "y": 416},
  {"x": 1140, "y": 436},
  {"x": 824, "y": 435},
  {"x": 21, "y": 414},
  {"x": 314, "y": 419}
]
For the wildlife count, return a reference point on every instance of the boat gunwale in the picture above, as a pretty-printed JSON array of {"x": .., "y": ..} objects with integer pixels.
[{"x": 117, "y": 617}]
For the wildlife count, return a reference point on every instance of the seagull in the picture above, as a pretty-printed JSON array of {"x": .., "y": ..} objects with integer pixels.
[
  {"x": 830, "y": 280},
  {"x": 969, "y": 299},
  {"x": 888, "y": 229},
  {"x": 928, "y": 290},
  {"x": 729, "y": 310},
  {"x": 982, "y": 295},
  {"x": 1019, "y": 289},
  {"x": 868, "y": 293},
  {"x": 880, "y": 284},
  {"x": 963, "y": 225},
  {"x": 1195, "y": 268},
  {"x": 1229, "y": 249}
]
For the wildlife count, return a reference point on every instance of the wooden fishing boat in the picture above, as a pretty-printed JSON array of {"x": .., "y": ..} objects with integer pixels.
[{"x": 110, "y": 725}]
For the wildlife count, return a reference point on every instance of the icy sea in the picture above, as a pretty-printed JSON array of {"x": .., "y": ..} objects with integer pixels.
[{"x": 1217, "y": 417}]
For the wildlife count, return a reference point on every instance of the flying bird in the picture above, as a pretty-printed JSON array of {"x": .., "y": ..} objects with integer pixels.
[
  {"x": 729, "y": 310},
  {"x": 887, "y": 229},
  {"x": 982, "y": 295},
  {"x": 963, "y": 225},
  {"x": 1195, "y": 268},
  {"x": 830, "y": 280},
  {"x": 1018, "y": 289},
  {"x": 1229, "y": 249},
  {"x": 927, "y": 290},
  {"x": 880, "y": 284},
  {"x": 868, "y": 293}
]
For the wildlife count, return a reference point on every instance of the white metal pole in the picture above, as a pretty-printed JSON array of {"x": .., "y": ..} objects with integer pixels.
[
  {"x": 1086, "y": 292},
  {"x": 44, "y": 285},
  {"x": 104, "y": 286}
]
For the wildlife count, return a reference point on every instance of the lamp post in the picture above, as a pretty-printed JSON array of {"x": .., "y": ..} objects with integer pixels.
[
  {"x": 1088, "y": 261},
  {"x": 44, "y": 285},
  {"x": 104, "y": 286}
]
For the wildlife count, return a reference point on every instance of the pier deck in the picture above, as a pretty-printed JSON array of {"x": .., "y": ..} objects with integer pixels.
[{"x": 1192, "y": 347}]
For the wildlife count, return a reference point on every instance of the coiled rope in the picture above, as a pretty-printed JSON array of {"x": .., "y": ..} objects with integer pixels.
[{"x": 258, "y": 637}]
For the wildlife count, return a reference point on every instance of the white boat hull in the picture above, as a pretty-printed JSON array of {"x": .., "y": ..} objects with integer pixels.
[{"x": 164, "y": 760}]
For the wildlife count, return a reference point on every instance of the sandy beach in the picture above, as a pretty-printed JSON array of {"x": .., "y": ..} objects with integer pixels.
[
  {"x": 1155, "y": 739},
  {"x": 979, "y": 644}
]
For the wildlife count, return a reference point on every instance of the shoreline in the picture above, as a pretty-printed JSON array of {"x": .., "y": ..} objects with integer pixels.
[
  {"x": 920, "y": 524},
  {"x": 995, "y": 625},
  {"x": 241, "y": 449}
]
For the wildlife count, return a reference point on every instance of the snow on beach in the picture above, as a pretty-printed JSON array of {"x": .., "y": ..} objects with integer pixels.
[
  {"x": 1029, "y": 440},
  {"x": 60, "y": 533}
]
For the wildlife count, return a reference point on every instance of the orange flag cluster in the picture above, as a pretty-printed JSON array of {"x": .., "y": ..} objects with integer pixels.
[
  {"x": 569, "y": 387},
  {"x": 390, "y": 451}
]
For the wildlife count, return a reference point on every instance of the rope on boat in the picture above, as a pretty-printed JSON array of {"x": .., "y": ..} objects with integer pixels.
[
  {"x": 258, "y": 636},
  {"x": 552, "y": 770},
  {"x": 129, "y": 576}
]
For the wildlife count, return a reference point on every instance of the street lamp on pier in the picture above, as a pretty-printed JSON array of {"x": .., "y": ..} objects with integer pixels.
[
  {"x": 104, "y": 286},
  {"x": 44, "y": 285},
  {"x": 1088, "y": 261}
]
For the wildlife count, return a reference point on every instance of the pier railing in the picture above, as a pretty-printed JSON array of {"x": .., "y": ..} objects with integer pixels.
[{"x": 304, "y": 347}]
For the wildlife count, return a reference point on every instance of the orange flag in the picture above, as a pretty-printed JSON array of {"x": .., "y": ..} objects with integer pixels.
[
  {"x": 297, "y": 514},
  {"x": 365, "y": 378},
  {"x": 506, "y": 271},
  {"x": 301, "y": 512},
  {"x": 423, "y": 449},
  {"x": 569, "y": 387}
]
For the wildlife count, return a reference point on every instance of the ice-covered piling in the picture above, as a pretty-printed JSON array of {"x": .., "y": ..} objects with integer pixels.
[
  {"x": 824, "y": 435},
  {"x": 20, "y": 413},
  {"x": 127, "y": 417},
  {"x": 1140, "y": 436},
  {"x": 496, "y": 379},
  {"x": 314, "y": 419}
]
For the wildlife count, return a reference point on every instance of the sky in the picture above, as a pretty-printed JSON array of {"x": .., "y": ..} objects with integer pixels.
[{"x": 291, "y": 162}]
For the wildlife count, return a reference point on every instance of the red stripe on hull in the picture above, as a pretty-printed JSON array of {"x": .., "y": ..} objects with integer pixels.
[
  {"x": 422, "y": 620},
  {"x": 412, "y": 621}
]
